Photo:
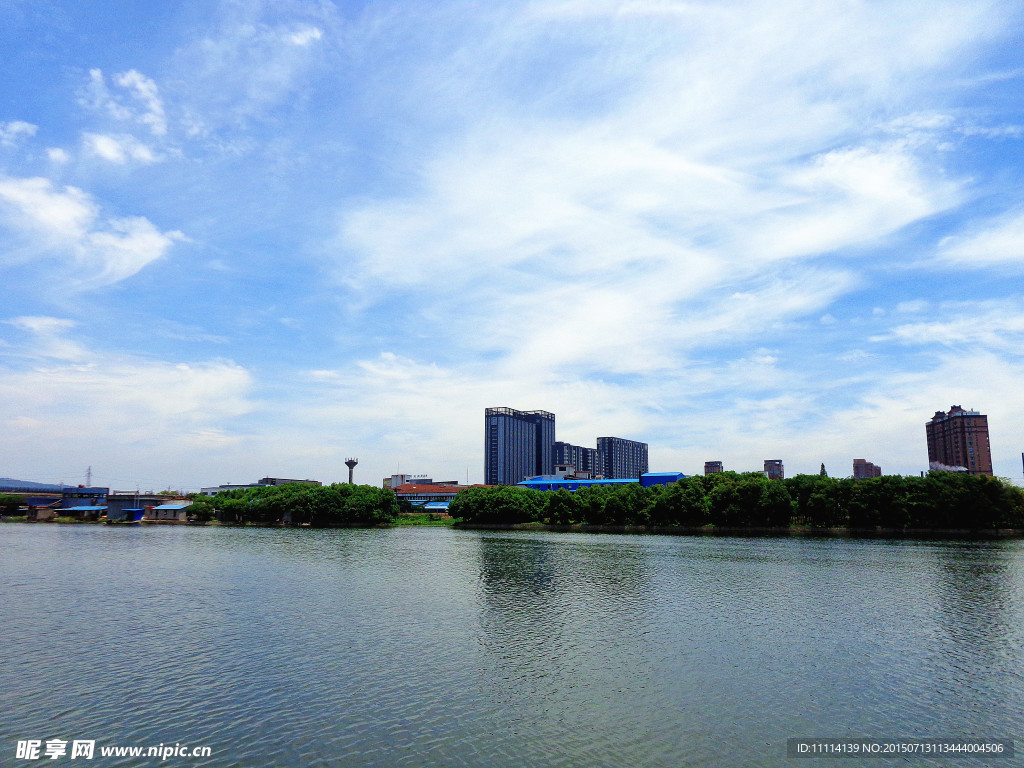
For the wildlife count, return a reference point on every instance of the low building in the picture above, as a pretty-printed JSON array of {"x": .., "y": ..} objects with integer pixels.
[
  {"x": 126, "y": 515},
  {"x": 83, "y": 512},
  {"x": 83, "y": 496},
  {"x": 660, "y": 478},
  {"x": 121, "y": 500},
  {"x": 41, "y": 514},
  {"x": 566, "y": 483},
  {"x": 421, "y": 494},
  {"x": 176, "y": 511},
  {"x": 263, "y": 482}
]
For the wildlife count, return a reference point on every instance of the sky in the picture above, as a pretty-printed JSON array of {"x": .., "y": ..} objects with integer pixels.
[{"x": 243, "y": 239}]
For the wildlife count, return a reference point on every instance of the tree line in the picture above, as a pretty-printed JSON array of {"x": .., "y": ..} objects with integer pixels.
[
  {"x": 939, "y": 500},
  {"x": 299, "y": 503}
]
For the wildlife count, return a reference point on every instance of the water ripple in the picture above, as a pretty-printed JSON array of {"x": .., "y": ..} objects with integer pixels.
[{"x": 432, "y": 647}]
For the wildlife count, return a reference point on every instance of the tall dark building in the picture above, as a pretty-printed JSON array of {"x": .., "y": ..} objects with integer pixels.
[
  {"x": 618, "y": 458},
  {"x": 774, "y": 470},
  {"x": 713, "y": 467},
  {"x": 958, "y": 441},
  {"x": 517, "y": 445},
  {"x": 583, "y": 459}
]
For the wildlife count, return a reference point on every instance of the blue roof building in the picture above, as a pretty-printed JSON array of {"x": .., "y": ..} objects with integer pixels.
[{"x": 559, "y": 483}]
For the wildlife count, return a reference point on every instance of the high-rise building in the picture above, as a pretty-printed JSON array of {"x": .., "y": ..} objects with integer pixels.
[
  {"x": 618, "y": 458},
  {"x": 958, "y": 442},
  {"x": 517, "y": 445},
  {"x": 774, "y": 470},
  {"x": 713, "y": 467},
  {"x": 863, "y": 469},
  {"x": 583, "y": 459}
]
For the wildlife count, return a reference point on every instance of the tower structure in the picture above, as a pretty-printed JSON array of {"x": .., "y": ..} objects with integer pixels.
[
  {"x": 517, "y": 445},
  {"x": 351, "y": 464},
  {"x": 958, "y": 442}
]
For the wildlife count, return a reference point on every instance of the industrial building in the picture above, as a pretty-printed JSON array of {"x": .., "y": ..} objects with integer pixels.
[
  {"x": 263, "y": 482},
  {"x": 569, "y": 483}
]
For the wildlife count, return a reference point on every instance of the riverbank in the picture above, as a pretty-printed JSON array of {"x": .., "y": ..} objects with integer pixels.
[
  {"x": 430, "y": 520},
  {"x": 793, "y": 531}
]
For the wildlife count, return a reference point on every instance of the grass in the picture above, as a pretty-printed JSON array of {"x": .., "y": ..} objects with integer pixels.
[{"x": 423, "y": 518}]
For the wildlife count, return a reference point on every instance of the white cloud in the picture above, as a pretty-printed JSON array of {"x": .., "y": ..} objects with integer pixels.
[
  {"x": 157, "y": 416},
  {"x": 304, "y": 35},
  {"x": 48, "y": 337},
  {"x": 609, "y": 209},
  {"x": 57, "y": 155},
  {"x": 144, "y": 90},
  {"x": 138, "y": 102},
  {"x": 68, "y": 227},
  {"x": 118, "y": 149},
  {"x": 849, "y": 197},
  {"x": 13, "y": 132},
  {"x": 999, "y": 242},
  {"x": 151, "y": 407},
  {"x": 990, "y": 325},
  {"x": 248, "y": 65}
]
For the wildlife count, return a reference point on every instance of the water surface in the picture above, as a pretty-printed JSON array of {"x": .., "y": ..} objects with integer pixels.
[{"x": 430, "y": 647}]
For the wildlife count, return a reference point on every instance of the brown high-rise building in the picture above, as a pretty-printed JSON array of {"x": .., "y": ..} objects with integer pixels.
[
  {"x": 864, "y": 469},
  {"x": 774, "y": 470},
  {"x": 713, "y": 467},
  {"x": 958, "y": 442}
]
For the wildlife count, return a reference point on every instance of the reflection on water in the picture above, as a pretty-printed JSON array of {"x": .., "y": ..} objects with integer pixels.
[{"x": 430, "y": 647}]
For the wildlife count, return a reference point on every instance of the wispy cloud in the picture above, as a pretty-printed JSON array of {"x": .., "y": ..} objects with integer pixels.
[
  {"x": 11, "y": 133},
  {"x": 988, "y": 325},
  {"x": 69, "y": 392},
  {"x": 66, "y": 227},
  {"x": 136, "y": 100},
  {"x": 996, "y": 242},
  {"x": 247, "y": 64},
  {"x": 119, "y": 149}
]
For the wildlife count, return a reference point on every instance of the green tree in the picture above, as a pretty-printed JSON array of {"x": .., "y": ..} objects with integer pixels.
[
  {"x": 563, "y": 507},
  {"x": 202, "y": 510},
  {"x": 500, "y": 504},
  {"x": 10, "y": 502}
]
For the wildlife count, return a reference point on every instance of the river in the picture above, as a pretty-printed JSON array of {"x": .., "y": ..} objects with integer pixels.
[{"x": 438, "y": 647}]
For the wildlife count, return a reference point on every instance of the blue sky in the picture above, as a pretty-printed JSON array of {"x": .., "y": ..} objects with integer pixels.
[{"x": 241, "y": 239}]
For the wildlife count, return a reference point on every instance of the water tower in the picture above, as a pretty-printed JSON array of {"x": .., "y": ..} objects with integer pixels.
[{"x": 351, "y": 464}]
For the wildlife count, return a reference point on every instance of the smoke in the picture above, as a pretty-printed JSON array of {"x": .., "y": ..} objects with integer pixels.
[{"x": 945, "y": 467}]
